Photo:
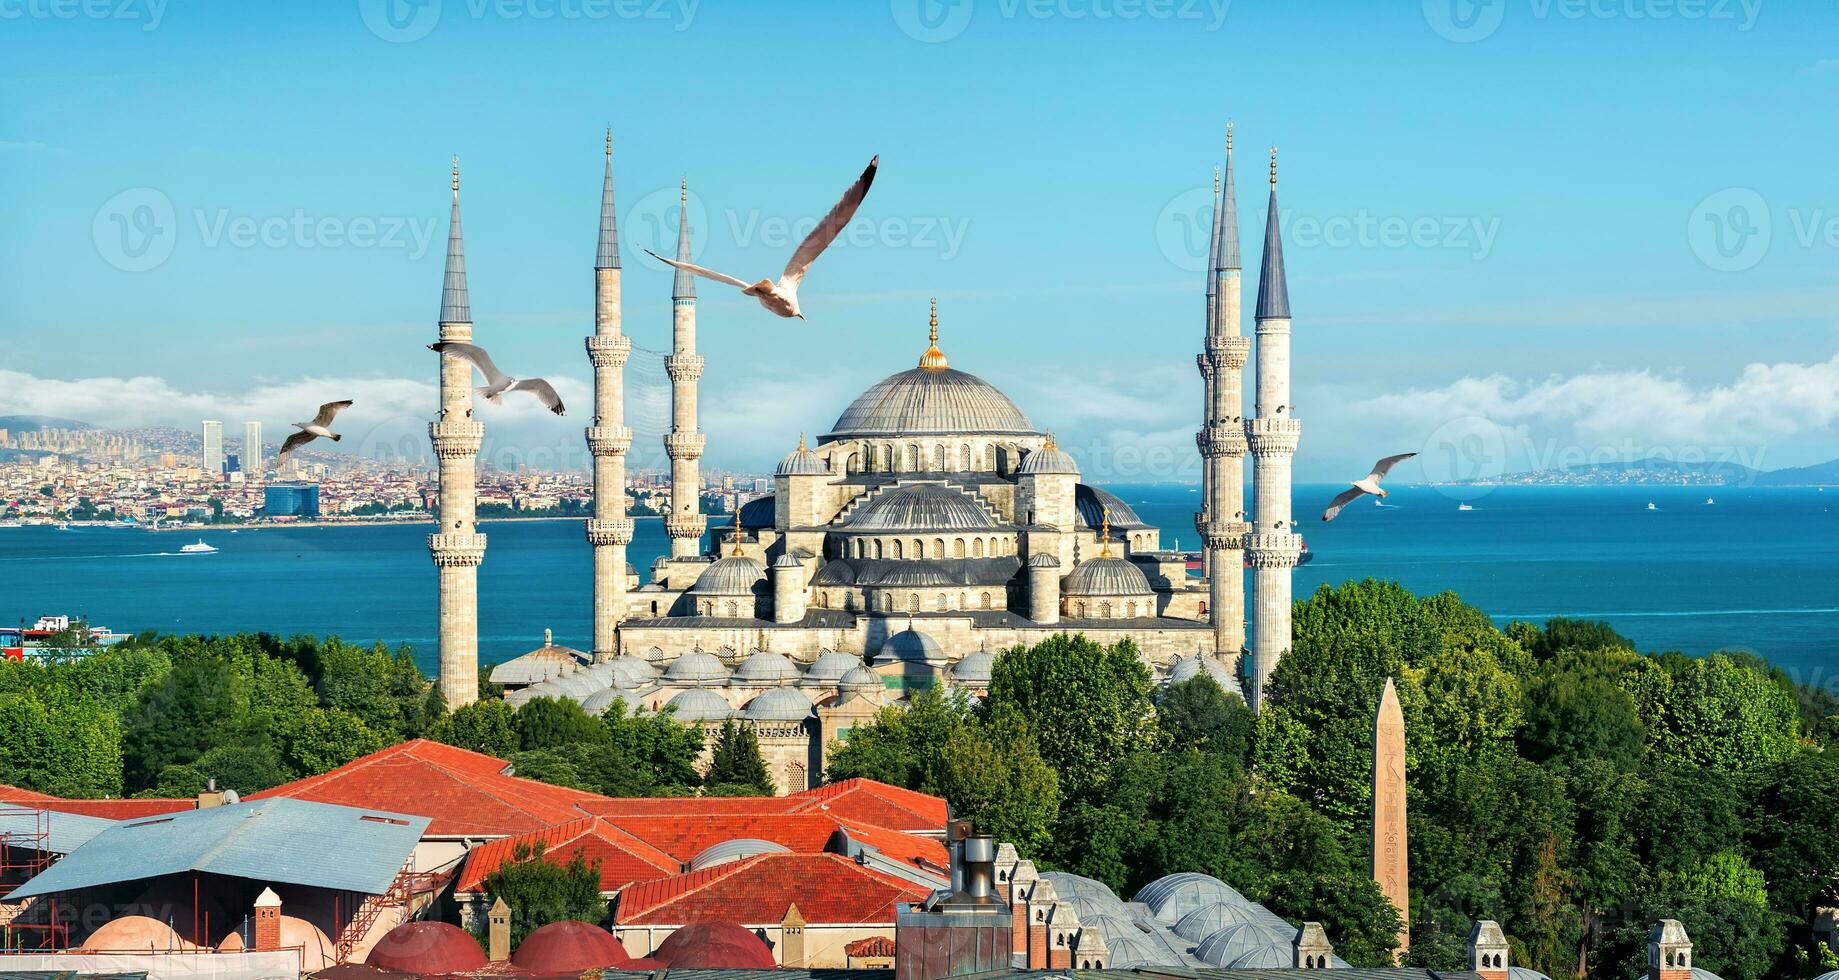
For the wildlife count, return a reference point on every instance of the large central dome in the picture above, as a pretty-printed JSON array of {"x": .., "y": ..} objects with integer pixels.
[{"x": 932, "y": 399}]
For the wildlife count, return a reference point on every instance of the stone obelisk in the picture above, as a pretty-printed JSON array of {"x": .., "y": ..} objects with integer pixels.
[
  {"x": 1390, "y": 865},
  {"x": 457, "y": 545},
  {"x": 610, "y": 530}
]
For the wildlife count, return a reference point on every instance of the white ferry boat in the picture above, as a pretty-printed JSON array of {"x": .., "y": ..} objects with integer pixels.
[{"x": 198, "y": 549}]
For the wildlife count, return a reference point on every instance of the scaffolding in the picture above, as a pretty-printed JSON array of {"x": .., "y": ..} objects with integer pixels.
[
  {"x": 404, "y": 892},
  {"x": 25, "y": 852}
]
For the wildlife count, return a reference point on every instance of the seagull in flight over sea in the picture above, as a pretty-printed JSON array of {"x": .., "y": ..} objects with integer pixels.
[
  {"x": 1365, "y": 485},
  {"x": 497, "y": 382},
  {"x": 310, "y": 431},
  {"x": 782, "y": 297}
]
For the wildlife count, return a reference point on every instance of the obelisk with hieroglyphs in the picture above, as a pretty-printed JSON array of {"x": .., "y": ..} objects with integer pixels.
[{"x": 1390, "y": 865}]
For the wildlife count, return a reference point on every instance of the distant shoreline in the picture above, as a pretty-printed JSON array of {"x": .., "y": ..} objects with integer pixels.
[{"x": 366, "y": 522}]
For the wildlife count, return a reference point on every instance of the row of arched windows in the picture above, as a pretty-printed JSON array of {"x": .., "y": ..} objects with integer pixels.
[
  {"x": 993, "y": 546},
  {"x": 915, "y": 457}
]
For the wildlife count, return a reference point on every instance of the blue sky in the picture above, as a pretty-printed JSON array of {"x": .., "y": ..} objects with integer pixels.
[{"x": 1501, "y": 217}]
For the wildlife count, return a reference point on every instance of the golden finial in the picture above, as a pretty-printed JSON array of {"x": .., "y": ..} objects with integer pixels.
[
  {"x": 1229, "y": 137},
  {"x": 1050, "y": 441},
  {"x": 456, "y": 173},
  {"x": 934, "y": 359},
  {"x": 1273, "y": 166},
  {"x": 1105, "y": 535},
  {"x": 609, "y": 142},
  {"x": 736, "y": 527},
  {"x": 801, "y": 442}
]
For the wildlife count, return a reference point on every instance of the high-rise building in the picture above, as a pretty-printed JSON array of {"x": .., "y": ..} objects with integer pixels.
[
  {"x": 252, "y": 450},
  {"x": 213, "y": 449}
]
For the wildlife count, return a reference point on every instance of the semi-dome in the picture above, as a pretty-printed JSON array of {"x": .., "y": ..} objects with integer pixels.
[
  {"x": 801, "y": 462},
  {"x": 1172, "y": 896},
  {"x": 700, "y": 704},
  {"x": 734, "y": 850},
  {"x": 1071, "y": 887},
  {"x": 921, "y": 507},
  {"x": 1043, "y": 560},
  {"x": 765, "y": 669},
  {"x": 860, "y": 680},
  {"x": 778, "y": 704},
  {"x": 1104, "y": 576},
  {"x": 1188, "y": 668},
  {"x": 1048, "y": 460},
  {"x": 1093, "y": 504},
  {"x": 829, "y": 668},
  {"x": 910, "y": 646},
  {"x": 733, "y": 575},
  {"x": 916, "y": 575},
  {"x": 696, "y": 669},
  {"x": 714, "y": 946},
  {"x": 427, "y": 948},
  {"x": 569, "y": 948},
  {"x": 975, "y": 669},
  {"x": 1233, "y": 942}
]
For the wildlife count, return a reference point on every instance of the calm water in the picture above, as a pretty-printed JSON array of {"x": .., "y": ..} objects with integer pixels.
[{"x": 1758, "y": 570}]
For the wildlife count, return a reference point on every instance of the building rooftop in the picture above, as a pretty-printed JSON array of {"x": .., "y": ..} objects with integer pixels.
[{"x": 827, "y": 888}]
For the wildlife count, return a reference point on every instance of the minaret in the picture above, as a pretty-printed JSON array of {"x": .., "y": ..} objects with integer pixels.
[
  {"x": 1271, "y": 545},
  {"x": 456, "y": 544},
  {"x": 609, "y": 531},
  {"x": 1391, "y": 868},
  {"x": 1221, "y": 438},
  {"x": 683, "y": 444}
]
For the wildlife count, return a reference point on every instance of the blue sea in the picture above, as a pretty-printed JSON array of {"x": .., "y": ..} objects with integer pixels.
[{"x": 1757, "y": 570}]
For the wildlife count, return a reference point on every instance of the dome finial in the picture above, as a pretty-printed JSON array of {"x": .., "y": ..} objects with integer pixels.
[
  {"x": 735, "y": 528},
  {"x": 1273, "y": 166},
  {"x": 801, "y": 442},
  {"x": 934, "y": 359},
  {"x": 1105, "y": 534},
  {"x": 456, "y": 174},
  {"x": 1050, "y": 441},
  {"x": 609, "y": 141}
]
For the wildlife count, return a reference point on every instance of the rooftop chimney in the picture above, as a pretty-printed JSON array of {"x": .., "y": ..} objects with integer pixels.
[
  {"x": 1312, "y": 948},
  {"x": 1669, "y": 951},
  {"x": 962, "y": 929},
  {"x": 498, "y": 931},
  {"x": 1488, "y": 953},
  {"x": 267, "y": 921}
]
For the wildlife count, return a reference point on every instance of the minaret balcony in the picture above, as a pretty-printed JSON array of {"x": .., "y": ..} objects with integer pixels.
[
  {"x": 683, "y": 367},
  {"x": 1230, "y": 353},
  {"x": 1273, "y": 549},
  {"x": 1222, "y": 534},
  {"x": 456, "y": 438},
  {"x": 685, "y": 525},
  {"x": 1205, "y": 364},
  {"x": 609, "y": 532},
  {"x": 684, "y": 445},
  {"x": 1221, "y": 439},
  {"x": 457, "y": 550},
  {"x": 609, "y": 350},
  {"x": 1273, "y": 436},
  {"x": 609, "y": 440}
]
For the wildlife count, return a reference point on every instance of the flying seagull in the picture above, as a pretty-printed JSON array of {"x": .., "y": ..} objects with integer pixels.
[
  {"x": 1369, "y": 484},
  {"x": 310, "y": 431},
  {"x": 497, "y": 382},
  {"x": 782, "y": 297}
]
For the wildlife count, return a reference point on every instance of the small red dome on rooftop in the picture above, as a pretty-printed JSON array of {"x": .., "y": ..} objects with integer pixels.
[
  {"x": 714, "y": 946},
  {"x": 569, "y": 947},
  {"x": 427, "y": 947}
]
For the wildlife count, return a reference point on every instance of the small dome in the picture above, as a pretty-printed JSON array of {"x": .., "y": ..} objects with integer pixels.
[
  {"x": 1528, "y": 973},
  {"x": 700, "y": 704},
  {"x": 778, "y": 704},
  {"x": 829, "y": 669},
  {"x": 917, "y": 574},
  {"x": 765, "y": 670},
  {"x": 787, "y": 561},
  {"x": 734, "y": 850},
  {"x": 1106, "y": 577},
  {"x": 801, "y": 462},
  {"x": 1049, "y": 459},
  {"x": 837, "y": 572},
  {"x": 975, "y": 669},
  {"x": 714, "y": 946},
  {"x": 1824, "y": 976},
  {"x": 1698, "y": 974},
  {"x": 135, "y": 932},
  {"x": 1071, "y": 887},
  {"x": 910, "y": 646},
  {"x": 733, "y": 575},
  {"x": 569, "y": 948},
  {"x": 1233, "y": 942},
  {"x": 1265, "y": 958},
  {"x": 1131, "y": 952},
  {"x": 696, "y": 669},
  {"x": 316, "y": 950},
  {"x": 1188, "y": 668},
  {"x": 630, "y": 671},
  {"x": 922, "y": 507},
  {"x": 427, "y": 948},
  {"x": 598, "y": 702},
  {"x": 1043, "y": 560},
  {"x": 1172, "y": 896},
  {"x": 861, "y": 680},
  {"x": 1211, "y": 918}
]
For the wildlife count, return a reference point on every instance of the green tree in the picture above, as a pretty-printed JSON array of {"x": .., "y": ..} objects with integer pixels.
[
  {"x": 1087, "y": 705},
  {"x": 994, "y": 776},
  {"x": 1198, "y": 713},
  {"x": 736, "y": 767},
  {"x": 483, "y": 726},
  {"x": 539, "y": 891},
  {"x": 546, "y": 723},
  {"x": 68, "y": 749},
  {"x": 1582, "y": 714},
  {"x": 648, "y": 754},
  {"x": 317, "y": 740},
  {"x": 906, "y": 746},
  {"x": 1723, "y": 712}
]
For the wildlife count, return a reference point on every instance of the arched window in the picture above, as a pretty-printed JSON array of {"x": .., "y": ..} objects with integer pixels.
[
  {"x": 733, "y": 610},
  {"x": 887, "y": 602},
  {"x": 854, "y": 465},
  {"x": 943, "y": 604},
  {"x": 938, "y": 547},
  {"x": 989, "y": 457},
  {"x": 977, "y": 548},
  {"x": 938, "y": 459},
  {"x": 1104, "y": 609},
  {"x": 957, "y": 548},
  {"x": 986, "y": 600},
  {"x": 913, "y": 457},
  {"x": 897, "y": 550},
  {"x": 919, "y": 548},
  {"x": 1130, "y": 610},
  {"x": 913, "y": 602},
  {"x": 795, "y": 781},
  {"x": 964, "y": 458}
]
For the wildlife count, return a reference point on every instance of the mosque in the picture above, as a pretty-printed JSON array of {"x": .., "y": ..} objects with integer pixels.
[{"x": 932, "y": 527}]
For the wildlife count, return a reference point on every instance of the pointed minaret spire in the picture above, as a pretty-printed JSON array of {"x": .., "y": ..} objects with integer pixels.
[
  {"x": 1273, "y": 292},
  {"x": 1226, "y": 230},
  {"x": 455, "y": 306},
  {"x": 685, "y": 285},
  {"x": 608, "y": 255},
  {"x": 1213, "y": 247}
]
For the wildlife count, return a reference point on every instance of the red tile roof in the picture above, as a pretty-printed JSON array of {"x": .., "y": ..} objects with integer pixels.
[
  {"x": 466, "y": 794},
  {"x": 684, "y": 836},
  {"x": 878, "y": 804},
  {"x": 623, "y": 858},
  {"x": 876, "y": 946},
  {"x": 106, "y": 809},
  {"x": 827, "y": 888}
]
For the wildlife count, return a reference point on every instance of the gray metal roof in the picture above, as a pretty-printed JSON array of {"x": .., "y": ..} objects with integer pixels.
[
  {"x": 1047, "y": 460},
  {"x": 696, "y": 667},
  {"x": 764, "y": 668},
  {"x": 64, "y": 832},
  {"x": 1226, "y": 228},
  {"x": 1106, "y": 577},
  {"x": 274, "y": 840},
  {"x": 684, "y": 286},
  {"x": 930, "y": 401},
  {"x": 896, "y": 572},
  {"x": 778, "y": 704},
  {"x": 922, "y": 507},
  {"x": 910, "y": 646},
  {"x": 607, "y": 257},
  {"x": 829, "y": 669},
  {"x": 735, "y": 575},
  {"x": 1092, "y": 502},
  {"x": 700, "y": 704},
  {"x": 455, "y": 306},
  {"x": 1273, "y": 291}
]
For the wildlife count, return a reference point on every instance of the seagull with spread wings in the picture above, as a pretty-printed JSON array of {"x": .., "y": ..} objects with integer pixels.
[
  {"x": 1366, "y": 485},
  {"x": 310, "y": 431},
  {"x": 782, "y": 297},
  {"x": 497, "y": 382}
]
